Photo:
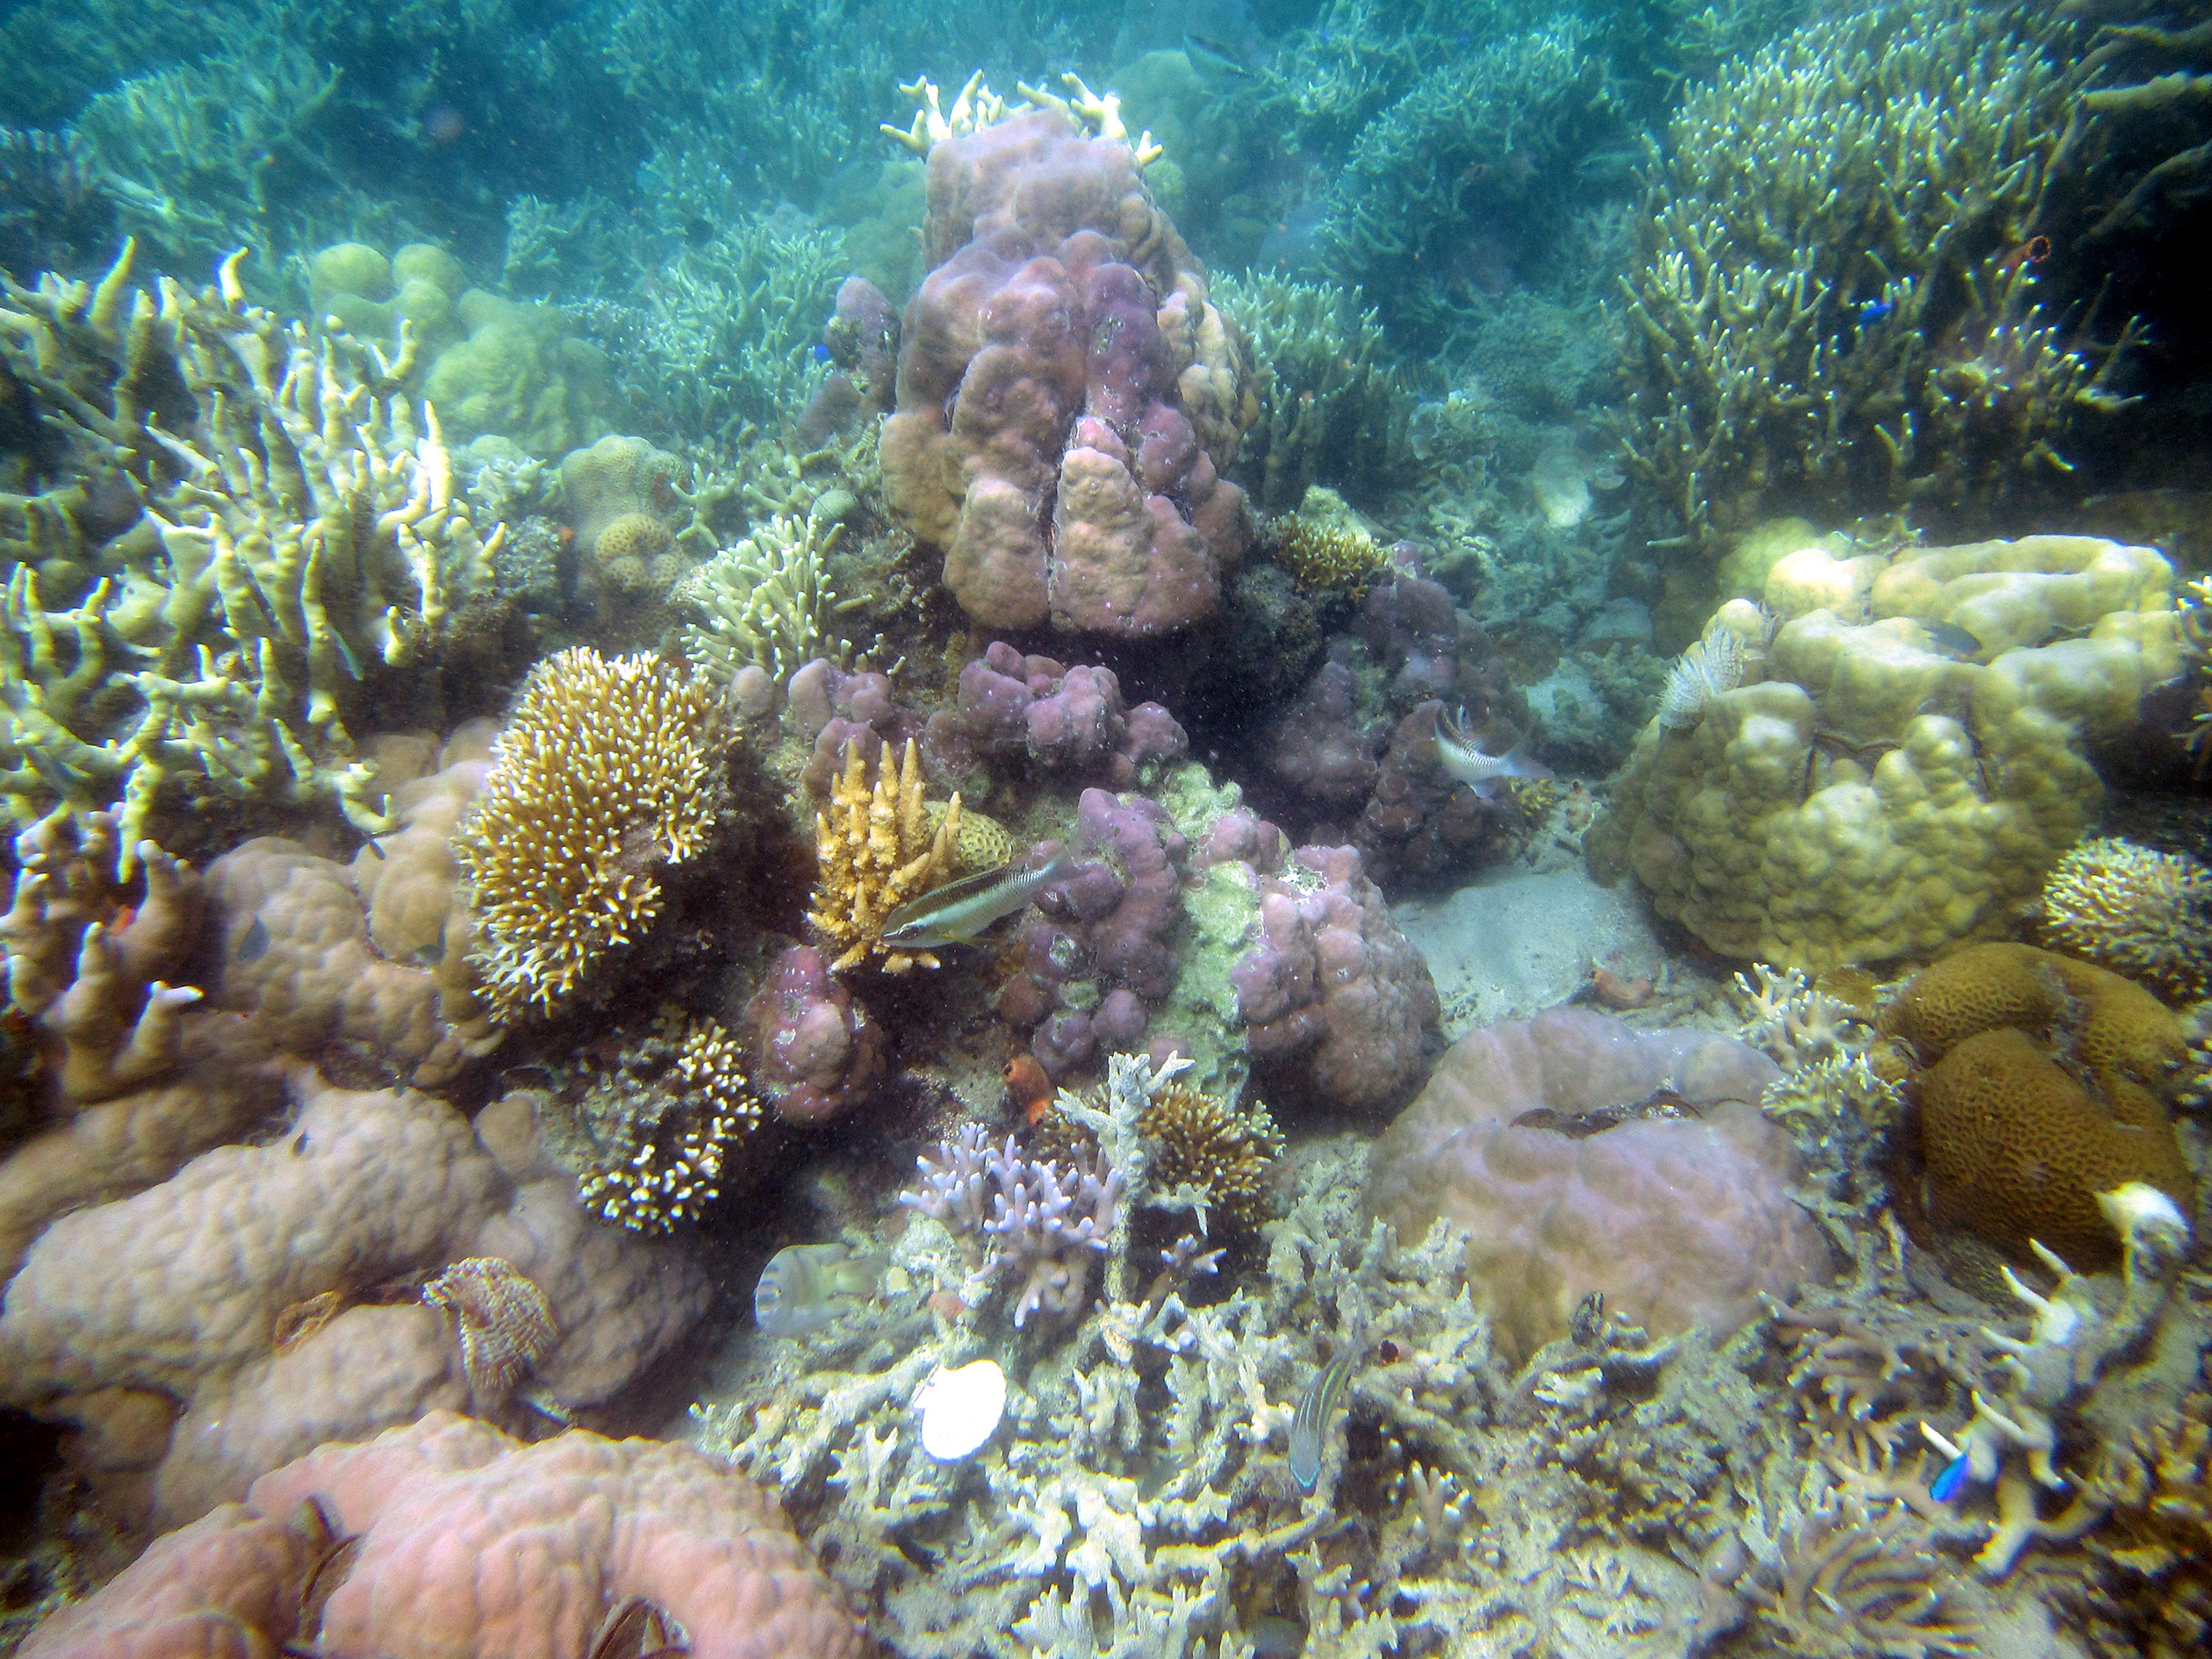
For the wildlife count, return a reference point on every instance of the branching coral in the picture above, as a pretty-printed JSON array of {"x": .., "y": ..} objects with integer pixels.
[
  {"x": 767, "y": 600},
  {"x": 878, "y": 848},
  {"x": 2144, "y": 914},
  {"x": 1336, "y": 558},
  {"x": 1836, "y": 306},
  {"x": 1225, "y": 1151},
  {"x": 2154, "y": 1552},
  {"x": 1852, "y": 1583},
  {"x": 607, "y": 771}
]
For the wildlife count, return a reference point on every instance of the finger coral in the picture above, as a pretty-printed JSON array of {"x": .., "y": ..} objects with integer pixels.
[
  {"x": 878, "y": 849},
  {"x": 2144, "y": 914},
  {"x": 2042, "y": 1085},
  {"x": 585, "y": 1528},
  {"x": 607, "y": 773}
]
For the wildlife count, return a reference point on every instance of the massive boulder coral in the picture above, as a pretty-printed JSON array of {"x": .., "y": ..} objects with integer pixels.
[
  {"x": 261, "y": 1300},
  {"x": 585, "y": 1528},
  {"x": 608, "y": 773},
  {"x": 1067, "y": 399},
  {"x": 1528, "y": 1136},
  {"x": 1910, "y": 756}
]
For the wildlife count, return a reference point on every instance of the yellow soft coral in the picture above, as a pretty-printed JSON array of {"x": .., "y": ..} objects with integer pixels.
[
  {"x": 878, "y": 849},
  {"x": 607, "y": 771},
  {"x": 1905, "y": 761}
]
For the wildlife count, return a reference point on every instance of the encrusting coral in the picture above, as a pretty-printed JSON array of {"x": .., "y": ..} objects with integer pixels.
[
  {"x": 1908, "y": 754},
  {"x": 878, "y": 848},
  {"x": 2144, "y": 914},
  {"x": 2043, "y": 1084},
  {"x": 607, "y": 773},
  {"x": 301, "y": 538}
]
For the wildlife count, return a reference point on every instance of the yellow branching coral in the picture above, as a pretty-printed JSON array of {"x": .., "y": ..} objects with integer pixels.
[
  {"x": 658, "y": 1130},
  {"x": 606, "y": 771},
  {"x": 877, "y": 849},
  {"x": 768, "y": 600},
  {"x": 2144, "y": 914},
  {"x": 1329, "y": 558},
  {"x": 1198, "y": 1140}
]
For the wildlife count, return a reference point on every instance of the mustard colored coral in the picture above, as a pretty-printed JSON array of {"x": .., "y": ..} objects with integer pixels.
[
  {"x": 878, "y": 849},
  {"x": 2141, "y": 913},
  {"x": 608, "y": 771},
  {"x": 1906, "y": 757},
  {"x": 1199, "y": 1141}
]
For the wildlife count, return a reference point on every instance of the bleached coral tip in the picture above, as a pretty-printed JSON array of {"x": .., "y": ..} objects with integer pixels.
[{"x": 2140, "y": 1212}]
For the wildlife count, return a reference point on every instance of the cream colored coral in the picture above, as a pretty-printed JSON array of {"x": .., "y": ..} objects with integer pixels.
[
  {"x": 609, "y": 770},
  {"x": 766, "y": 599},
  {"x": 1886, "y": 788}
]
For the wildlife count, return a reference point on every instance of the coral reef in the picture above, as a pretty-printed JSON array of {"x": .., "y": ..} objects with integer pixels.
[
  {"x": 816, "y": 1052},
  {"x": 1227, "y": 1152},
  {"x": 1064, "y": 719},
  {"x": 290, "y": 541},
  {"x": 608, "y": 772},
  {"x": 1062, "y": 352},
  {"x": 1835, "y": 313},
  {"x": 877, "y": 848},
  {"x": 2142, "y": 913},
  {"x": 1676, "y": 1221},
  {"x": 1326, "y": 558},
  {"x": 371, "y": 1548},
  {"x": 1877, "y": 787},
  {"x": 766, "y": 600},
  {"x": 2042, "y": 1084}
]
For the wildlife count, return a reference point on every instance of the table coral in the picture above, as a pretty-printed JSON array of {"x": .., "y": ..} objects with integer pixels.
[
  {"x": 2043, "y": 1084},
  {"x": 1067, "y": 397},
  {"x": 608, "y": 772},
  {"x": 1875, "y": 790},
  {"x": 583, "y": 1524},
  {"x": 1677, "y": 1221}
]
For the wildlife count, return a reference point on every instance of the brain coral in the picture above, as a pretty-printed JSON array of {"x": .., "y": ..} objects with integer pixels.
[
  {"x": 1907, "y": 760},
  {"x": 1066, "y": 397},
  {"x": 578, "y": 1524},
  {"x": 1677, "y": 1221},
  {"x": 608, "y": 771},
  {"x": 2042, "y": 1087}
]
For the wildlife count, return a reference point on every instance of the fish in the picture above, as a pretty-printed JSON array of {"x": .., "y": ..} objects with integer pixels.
[
  {"x": 1875, "y": 310},
  {"x": 1948, "y": 639},
  {"x": 808, "y": 1287},
  {"x": 255, "y": 944},
  {"x": 959, "y": 911},
  {"x": 1309, "y": 1422},
  {"x": 1481, "y": 772},
  {"x": 1212, "y": 60},
  {"x": 1947, "y": 1485}
]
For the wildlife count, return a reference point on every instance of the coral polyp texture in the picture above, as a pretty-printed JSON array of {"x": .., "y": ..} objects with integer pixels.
[
  {"x": 1908, "y": 755},
  {"x": 608, "y": 772},
  {"x": 1067, "y": 397},
  {"x": 2144, "y": 914},
  {"x": 2044, "y": 1082},
  {"x": 878, "y": 848},
  {"x": 375, "y": 1548}
]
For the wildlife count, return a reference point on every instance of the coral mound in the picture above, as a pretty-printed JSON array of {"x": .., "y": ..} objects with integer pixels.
[
  {"x": 607, "y": 771},
  {"x": 578, "y": 1524},
  {"x": 2042, "y": 1088},
  {"x": 1677, "y": 1221}
]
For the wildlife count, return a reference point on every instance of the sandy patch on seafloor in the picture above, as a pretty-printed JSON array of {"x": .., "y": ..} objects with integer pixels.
[{"x": 1516, "y": 942}]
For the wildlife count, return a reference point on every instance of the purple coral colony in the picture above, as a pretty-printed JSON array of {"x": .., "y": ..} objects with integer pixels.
[{"x": 1105, "y": 829}]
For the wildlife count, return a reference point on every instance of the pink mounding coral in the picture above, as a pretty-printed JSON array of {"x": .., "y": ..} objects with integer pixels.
[
  {"x": 830, "y": 707},
  {"x": 1066, "y": 397},
  {"x": 862, "y": 342},
  {"x": 1677, "y": 1221},
  {"x": 198, "y": 1334},
  {"x": 1333, "y": 984},
  {"x": 1097, "y": 957},
  {"x": 816, "y": 1052},
  {"x": 1065, "y": 719},
  {"x": 1322, "y": 748},
  {"x": 473, "y": 1546}
]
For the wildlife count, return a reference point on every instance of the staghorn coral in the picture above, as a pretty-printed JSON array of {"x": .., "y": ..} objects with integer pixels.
[
  {"x": 2144, "y": 914},
  {"x": 653, "y": 1132},
  {"x": 607, "y": 773},
  {"x": 301, "y": 546},
  {"x": 1338, "y": 558},
  {"x": 2042, "y": 1085},
  {"x": 382, "y": 1549},
  {"x": 766, "y": 601},
  {"x": 2151, "y": 1590},
  {"x": 1226, "y": 1152},
  {"x": 878, "y": 848},
  {"x": 1852, "y": 1583}
]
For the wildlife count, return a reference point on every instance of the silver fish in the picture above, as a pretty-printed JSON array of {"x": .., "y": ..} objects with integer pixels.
[
  {"x": 1481, "y": 772},
  {"x": 1309, "y": 1422},
  {"x": 957, "y": 912},
  {"x": 808, "y": 1287}
]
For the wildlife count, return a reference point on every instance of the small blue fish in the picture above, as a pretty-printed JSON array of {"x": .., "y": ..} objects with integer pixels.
[
  {"x": 1483, "y": 773},
  {"x": 1309, "y": 1422},
  {"x": 1946, "y": 1486},
  {"x": 821, "y": 353},
  {"x": 1875, "y": 310}
]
